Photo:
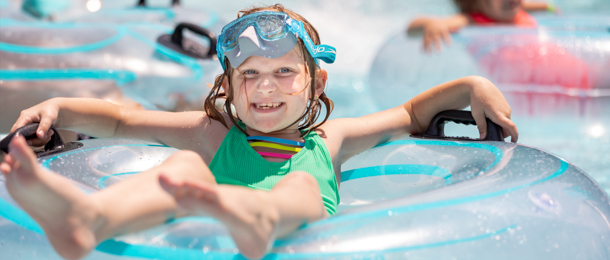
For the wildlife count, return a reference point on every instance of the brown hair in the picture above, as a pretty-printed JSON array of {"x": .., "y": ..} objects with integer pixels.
[
  {"x": 313, "y": 111},
  {"x": 467, "y": 6}
]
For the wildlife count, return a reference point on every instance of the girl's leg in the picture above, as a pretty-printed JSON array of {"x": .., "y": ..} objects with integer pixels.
[
  {"x": 75, "y": 222},
  {"x": 253, "y": 217}
]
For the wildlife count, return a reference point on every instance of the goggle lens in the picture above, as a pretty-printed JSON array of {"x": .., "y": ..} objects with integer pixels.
[{"x": 269, "y": 26}]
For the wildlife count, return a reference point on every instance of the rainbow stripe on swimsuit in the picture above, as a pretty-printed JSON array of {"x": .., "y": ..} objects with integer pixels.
[{"x": 274, "y": 143}]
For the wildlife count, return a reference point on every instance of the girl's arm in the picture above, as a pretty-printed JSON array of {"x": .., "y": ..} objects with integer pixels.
[
  {"x": 355, "y": 135},
  {"x": 436, "y": 30},
  {"x": 100, "y": 118}
]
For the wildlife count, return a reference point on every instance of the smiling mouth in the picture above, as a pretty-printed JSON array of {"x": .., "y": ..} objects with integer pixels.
[{"x": 270, "y": 105}]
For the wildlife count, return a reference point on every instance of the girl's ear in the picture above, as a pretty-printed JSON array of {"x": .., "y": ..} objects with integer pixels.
[{"x": 321, "y": 78}]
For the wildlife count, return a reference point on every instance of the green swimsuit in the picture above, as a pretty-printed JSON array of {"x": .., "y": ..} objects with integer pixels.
[{"x": 236, "y": 163}]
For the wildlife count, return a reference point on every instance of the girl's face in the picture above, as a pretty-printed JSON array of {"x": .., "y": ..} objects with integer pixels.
[
  {"x": 271, "y": 94},
  {"x": 500, "y": 10}
]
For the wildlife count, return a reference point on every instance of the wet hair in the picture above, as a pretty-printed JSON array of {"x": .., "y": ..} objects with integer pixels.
[
  {"x": 314, "y": 108},
  {"x": 467, "y": 6}
]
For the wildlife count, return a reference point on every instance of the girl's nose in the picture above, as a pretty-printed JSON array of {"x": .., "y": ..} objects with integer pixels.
[{"x": 266, "y": 86}]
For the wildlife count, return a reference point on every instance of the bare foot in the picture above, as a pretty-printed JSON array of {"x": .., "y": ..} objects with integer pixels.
[
  {"x": 245, "y": 212},
  {"x": 61, "y": 209}
]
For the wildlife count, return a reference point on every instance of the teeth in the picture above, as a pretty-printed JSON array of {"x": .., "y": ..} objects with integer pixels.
[{"x": 267, "y": 105}]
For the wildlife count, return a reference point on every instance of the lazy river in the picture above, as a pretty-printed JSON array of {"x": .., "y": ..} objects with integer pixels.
[{"x": 576, "y": 131}]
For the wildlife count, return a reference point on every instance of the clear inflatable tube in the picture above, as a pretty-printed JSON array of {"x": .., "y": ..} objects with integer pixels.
[
  {"x": 106, "y": 50},
  {"x": 558, "y": 68},
  {"x": 413, "y": 198},
  {"x": 560, "y": 102},
  {"x": 118, "y": 62}
]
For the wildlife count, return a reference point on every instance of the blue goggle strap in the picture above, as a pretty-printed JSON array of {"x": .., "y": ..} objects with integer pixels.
[
  {"x": 221, "y": 55},
  {"x": 323, "y": 52}
]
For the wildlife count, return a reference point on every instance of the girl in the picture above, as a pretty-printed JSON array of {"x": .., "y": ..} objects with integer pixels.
[
  {"x": 272, "y": 78},
  {"x": 482, "y": 12}
]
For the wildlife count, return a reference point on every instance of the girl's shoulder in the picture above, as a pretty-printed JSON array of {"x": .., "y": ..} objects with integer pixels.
[
  {"x": 195, "y": 131},
  {"x": 332, "y": 133},
  {"x": 207, "y": 123},
  {"x": 227, "y": 120},
  {"x": 331, "y": 127},
  {"x": 214, "y": 130}
]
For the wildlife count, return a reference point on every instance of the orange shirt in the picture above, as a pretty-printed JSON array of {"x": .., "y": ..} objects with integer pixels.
[{"x": 522, "y": 19}]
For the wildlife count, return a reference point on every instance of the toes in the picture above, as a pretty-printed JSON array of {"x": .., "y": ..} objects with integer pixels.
[
  {"x": 5, "y": 168},
  {"x": 20, "y": 151},
  {"x": 9, "y": 159},
  {"x": 6, "y": 164}
]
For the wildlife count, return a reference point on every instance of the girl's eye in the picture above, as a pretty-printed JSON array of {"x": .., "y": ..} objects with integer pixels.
[
  {"x": 284, "y": 70},
  {"x": 249, "y": 72}
]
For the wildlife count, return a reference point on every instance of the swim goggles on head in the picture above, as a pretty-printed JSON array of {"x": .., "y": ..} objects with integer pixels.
[{"x": 267, "y": 34}]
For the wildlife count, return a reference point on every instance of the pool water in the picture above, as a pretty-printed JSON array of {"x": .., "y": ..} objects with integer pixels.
[{"x": 359, "y": 28}]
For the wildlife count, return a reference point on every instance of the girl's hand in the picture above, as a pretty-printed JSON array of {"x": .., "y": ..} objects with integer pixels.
[
  {"x": 486, "y": 101},
  {"x": 435, "y": 32},
  {"x": 46, "y": 114}
]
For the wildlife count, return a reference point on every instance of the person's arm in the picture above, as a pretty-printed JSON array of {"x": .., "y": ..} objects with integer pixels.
[
  {"x": 86, "y": 115},
  {"x": 537, "y": 6},
  {"x": 436, "y": 30},
  {"x": 99, "y": 118},
  {"x": 355, "y": 135}
]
